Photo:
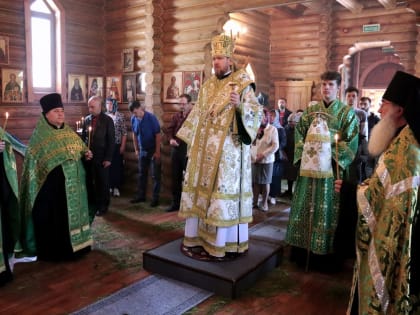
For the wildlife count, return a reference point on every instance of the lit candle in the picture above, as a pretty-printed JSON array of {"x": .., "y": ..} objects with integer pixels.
[
  {"x": 5, "y": 122},
  {"x": 336, "y": 155},
  {"x": 90, "y": 132}
]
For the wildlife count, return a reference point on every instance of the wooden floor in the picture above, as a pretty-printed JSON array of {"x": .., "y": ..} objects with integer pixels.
[{"x": 116, "y": 261}]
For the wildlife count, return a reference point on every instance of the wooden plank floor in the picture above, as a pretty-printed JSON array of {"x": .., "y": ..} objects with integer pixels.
[{"x": 116, "y": 261}]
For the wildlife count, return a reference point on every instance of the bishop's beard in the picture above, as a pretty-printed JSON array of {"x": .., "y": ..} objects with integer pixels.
[{"x": 381, "y": 136}]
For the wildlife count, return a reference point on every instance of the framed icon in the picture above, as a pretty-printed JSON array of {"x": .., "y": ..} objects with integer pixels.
[
  {"x": 95, "y": 86},
  {"x": 191, "y": 83},
  {"x": 129, "y": 87},
  {"x": 4, "y": 50},
  {"x": 12, "y": 85},
  {"x": 172, "y": 86},
  {"x": 128, "y": 60},
  {"x": 76, "y": 88},
  {"x": 113, "y": 87}
]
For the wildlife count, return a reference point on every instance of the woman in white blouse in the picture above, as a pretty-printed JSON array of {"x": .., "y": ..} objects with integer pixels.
[{"x": 262, "y": 155}]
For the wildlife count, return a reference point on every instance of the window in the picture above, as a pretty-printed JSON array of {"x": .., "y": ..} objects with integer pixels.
[{"x": 43, "y": 47}]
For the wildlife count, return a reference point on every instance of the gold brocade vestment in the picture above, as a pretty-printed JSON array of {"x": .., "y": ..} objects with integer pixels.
[
  {"x": 217, "y": 187},
  {"x": 387, "y": 205}
]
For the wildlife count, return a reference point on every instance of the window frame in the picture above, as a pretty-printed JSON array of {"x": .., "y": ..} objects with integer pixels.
[{"x": 57, "y": 47}]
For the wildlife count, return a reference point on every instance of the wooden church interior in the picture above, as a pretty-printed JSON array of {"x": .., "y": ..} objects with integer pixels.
[{"x": 286, "y": 43}]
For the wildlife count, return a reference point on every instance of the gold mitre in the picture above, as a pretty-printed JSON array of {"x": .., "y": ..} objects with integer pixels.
[{"x": 222, "y": 45}]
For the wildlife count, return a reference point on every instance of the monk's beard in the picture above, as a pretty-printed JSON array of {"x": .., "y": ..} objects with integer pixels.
[{"x": 381, "y": 136}]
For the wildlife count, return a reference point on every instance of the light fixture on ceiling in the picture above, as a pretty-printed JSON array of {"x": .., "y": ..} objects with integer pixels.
[{"x": 234, "y": 29}]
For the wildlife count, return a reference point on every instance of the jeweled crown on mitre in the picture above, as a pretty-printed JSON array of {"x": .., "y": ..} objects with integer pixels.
[{"x": 222, "y": 45}]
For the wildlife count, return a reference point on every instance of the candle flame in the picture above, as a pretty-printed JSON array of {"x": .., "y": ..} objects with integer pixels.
[
  {"x": 336, "y": 137},
  {"x": 7, "y": 115}
]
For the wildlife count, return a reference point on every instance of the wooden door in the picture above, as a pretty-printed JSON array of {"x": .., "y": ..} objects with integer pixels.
[{"x": 297, "y": 93}]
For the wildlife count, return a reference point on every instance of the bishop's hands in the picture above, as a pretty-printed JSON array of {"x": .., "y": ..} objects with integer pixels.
[
  {"x": 2, "y": 146},
  {"x": 235, "y": 98}
]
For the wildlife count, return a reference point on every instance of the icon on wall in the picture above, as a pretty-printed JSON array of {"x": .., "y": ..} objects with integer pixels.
[{"x": 12, "y": 85}]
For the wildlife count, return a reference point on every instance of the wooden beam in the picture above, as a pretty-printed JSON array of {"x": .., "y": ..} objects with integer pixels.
[
  {"x": 237, "y": 6},
  {"x": 388, "y": 4},
  {"x": 351, "y": 5},
  {"x": 297, "y": 11}
]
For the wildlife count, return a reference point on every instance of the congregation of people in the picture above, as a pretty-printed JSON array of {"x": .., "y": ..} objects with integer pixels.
[{"x": 351, "y": 178}]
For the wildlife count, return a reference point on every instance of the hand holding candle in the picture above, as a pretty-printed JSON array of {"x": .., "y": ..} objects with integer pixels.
[{"x": 336, "y": 137}]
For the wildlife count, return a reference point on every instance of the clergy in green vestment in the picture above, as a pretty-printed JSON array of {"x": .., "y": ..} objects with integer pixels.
[
  {"x": 326, "y": 140},
  {"x": 9, "y": 211},
  {"x": 53, "y": 197},
  {"x": 216, "y": 198},
  {"x": 386, "y": 277}
]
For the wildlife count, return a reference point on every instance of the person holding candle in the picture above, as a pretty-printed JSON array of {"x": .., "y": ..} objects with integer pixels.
[
  {"x": 9, "y": 210},
  {"x": 387, "y": 273},
  {"x": 98, "y": 132},
  {"x": 315, "y": 207},
  {"x": 53, "y": 197},
  {"x": 216, "y": 198}
]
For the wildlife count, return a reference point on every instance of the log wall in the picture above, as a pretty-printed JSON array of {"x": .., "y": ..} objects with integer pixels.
[
  {"x": 129, "y": 24},
  {"x": 314, "y": 43},
  {"x": 174, "y": 35}
]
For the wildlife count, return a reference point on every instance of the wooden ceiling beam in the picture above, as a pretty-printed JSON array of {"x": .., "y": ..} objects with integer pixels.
[
  {"x": 352, "y": 5},
  {"x": 237, "y": 6},
  {"x": 388, "y": 4},
  {"x": 297, "y": 11}
]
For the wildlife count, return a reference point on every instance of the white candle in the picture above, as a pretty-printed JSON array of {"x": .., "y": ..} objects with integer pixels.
[
  {"x": 336, "y": 137},
  {"x": 5, "y": 122},
  {"x": 90, "y": 132}
]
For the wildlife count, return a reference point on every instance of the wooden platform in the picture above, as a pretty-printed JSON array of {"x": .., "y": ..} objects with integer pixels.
[{"x": 227, "y": 278}]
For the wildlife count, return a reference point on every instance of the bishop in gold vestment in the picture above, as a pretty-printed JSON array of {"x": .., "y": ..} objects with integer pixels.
[{"x": 217, "y": 192}]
